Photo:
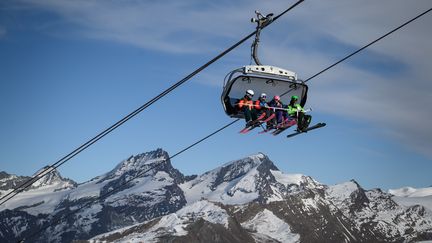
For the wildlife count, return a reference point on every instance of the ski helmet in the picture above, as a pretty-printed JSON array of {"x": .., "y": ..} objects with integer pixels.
[
  {"x": 263, "y": 95},
  {"x": 276, "y": 97},
  {"x": 294, "y": 97},
  {"x": 250, "y": 92}
]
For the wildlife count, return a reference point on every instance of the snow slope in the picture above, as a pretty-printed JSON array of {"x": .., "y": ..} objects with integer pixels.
[
  {"x": 149, "y": 193},
  {"x": 174, "y": 224},
  {"x": 267, "y": 224},
  {"x": 379, "y": 211},
  {"x": 411, "y": 192},
  {"x": 245, "y": 200},
  {"x": 243, "y": 181},
  {"x": 409, "y": 196},
  {"x": 43, "y": 196}
]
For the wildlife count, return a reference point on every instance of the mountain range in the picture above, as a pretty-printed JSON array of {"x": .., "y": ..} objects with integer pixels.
[{"x": 145, "y": 199}]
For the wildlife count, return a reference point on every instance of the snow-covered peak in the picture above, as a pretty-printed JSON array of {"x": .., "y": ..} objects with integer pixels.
[
  {"x": 236, "y": 182},
  {"x": 47, "y": 178},
  {"x": 409, "y": 196},
  {"x": 5, "y": 176},
  {"x": 254, "y": 178},
  {"x": 343, "y": 190},
  {"x": 245, "y": 200},
  {"x": 43, "y": 195},
  {"x": 350, "y": 193},
  {"x": 251, "y": 160},
  {"x": 51, "y": 177},
  {"x": 142, "y": 165},
  {"x": 237, "y": 168},
  {"x": 10, "y": 181},
  {"x": 141, "y": 161},
  {"x": 411, "y": 192}
]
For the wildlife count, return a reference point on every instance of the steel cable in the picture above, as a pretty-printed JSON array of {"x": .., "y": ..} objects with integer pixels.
[
  {"x": 84, "y": 146},
  {"x": 213, "y": 133}
]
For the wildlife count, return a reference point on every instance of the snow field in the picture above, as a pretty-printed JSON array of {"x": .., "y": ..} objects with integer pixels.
[{"x": 266, "y": 223}]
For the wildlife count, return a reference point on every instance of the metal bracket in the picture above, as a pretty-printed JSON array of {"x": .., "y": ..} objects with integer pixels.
[{"x": 262, "y": 21}]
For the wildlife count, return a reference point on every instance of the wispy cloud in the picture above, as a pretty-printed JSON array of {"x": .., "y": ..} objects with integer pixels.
[
  {"x": 399, "y": 106},
  {"x": 171, "y": 26},
  {"x": 387, "y": 86}
]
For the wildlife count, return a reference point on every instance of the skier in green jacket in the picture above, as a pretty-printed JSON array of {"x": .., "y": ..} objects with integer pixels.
[{"x": 295, "y": 110}]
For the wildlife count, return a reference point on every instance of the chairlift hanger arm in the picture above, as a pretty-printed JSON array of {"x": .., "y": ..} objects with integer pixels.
[{"x": 262, "y": 21}]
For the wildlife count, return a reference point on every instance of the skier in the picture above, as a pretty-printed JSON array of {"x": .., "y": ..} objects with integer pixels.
[
  {"x": 246, "y": 106},
  {"x": 262, "y": 107},
  {"x": 296, "y": 111},
  {"x": 281, "y": 115}
]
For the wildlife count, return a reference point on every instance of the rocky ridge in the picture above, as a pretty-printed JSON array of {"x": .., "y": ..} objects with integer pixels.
[{"x": 244, "y": 200}]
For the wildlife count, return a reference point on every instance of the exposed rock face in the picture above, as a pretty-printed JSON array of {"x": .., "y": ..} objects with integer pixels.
[
  {"x": 245, "y": 200},
  {"x": 144, "y": 193},
  {"x": 378, "y": 215},
  {"x": 53, "y": 179},
  {"x": 8, "y": 182}
]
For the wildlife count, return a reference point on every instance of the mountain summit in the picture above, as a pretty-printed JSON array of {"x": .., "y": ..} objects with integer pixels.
[
  {"x": 254, "y": 178},
  {"x": 52, "y": 178},
  {"x": 247, "y": 200},
  {"x": 145, "y": 164},
  {"x": 139, "y": 188},
  {"x": 51, "y": 181}
]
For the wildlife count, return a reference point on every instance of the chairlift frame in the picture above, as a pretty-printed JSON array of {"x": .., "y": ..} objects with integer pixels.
[{"x": 260, "y": 78}]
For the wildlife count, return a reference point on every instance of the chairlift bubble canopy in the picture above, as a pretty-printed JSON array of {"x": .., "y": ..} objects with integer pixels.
[{"x": 261, "y": 79}]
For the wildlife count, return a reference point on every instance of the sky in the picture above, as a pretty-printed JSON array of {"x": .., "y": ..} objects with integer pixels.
[{"x": 70, "y": 69}]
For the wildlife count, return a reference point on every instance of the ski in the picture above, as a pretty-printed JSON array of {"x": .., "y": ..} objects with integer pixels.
[
  {"x": 250, "y": 128},
  {"x": 284, "y": 126},
  {"x": 261, "y": 117},
  {"x": 280, "y": 130},
  {"x": 319, "y": 125},
  {"x": 255, "y": 123},
  {"x": 245, "y": 130},
  {"x": 269, "y": 118},
  {"x": 266, "y": 121}
]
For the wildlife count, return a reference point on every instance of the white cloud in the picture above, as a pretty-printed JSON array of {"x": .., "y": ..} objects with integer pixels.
[
  {"x": 172, "y": 26},
  {"x": 398, "y": 105},
  {"x": 396, "y": 101}
]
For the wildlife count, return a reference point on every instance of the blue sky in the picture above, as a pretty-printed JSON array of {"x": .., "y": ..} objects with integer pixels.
[{"x": 69, "y": 69}]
